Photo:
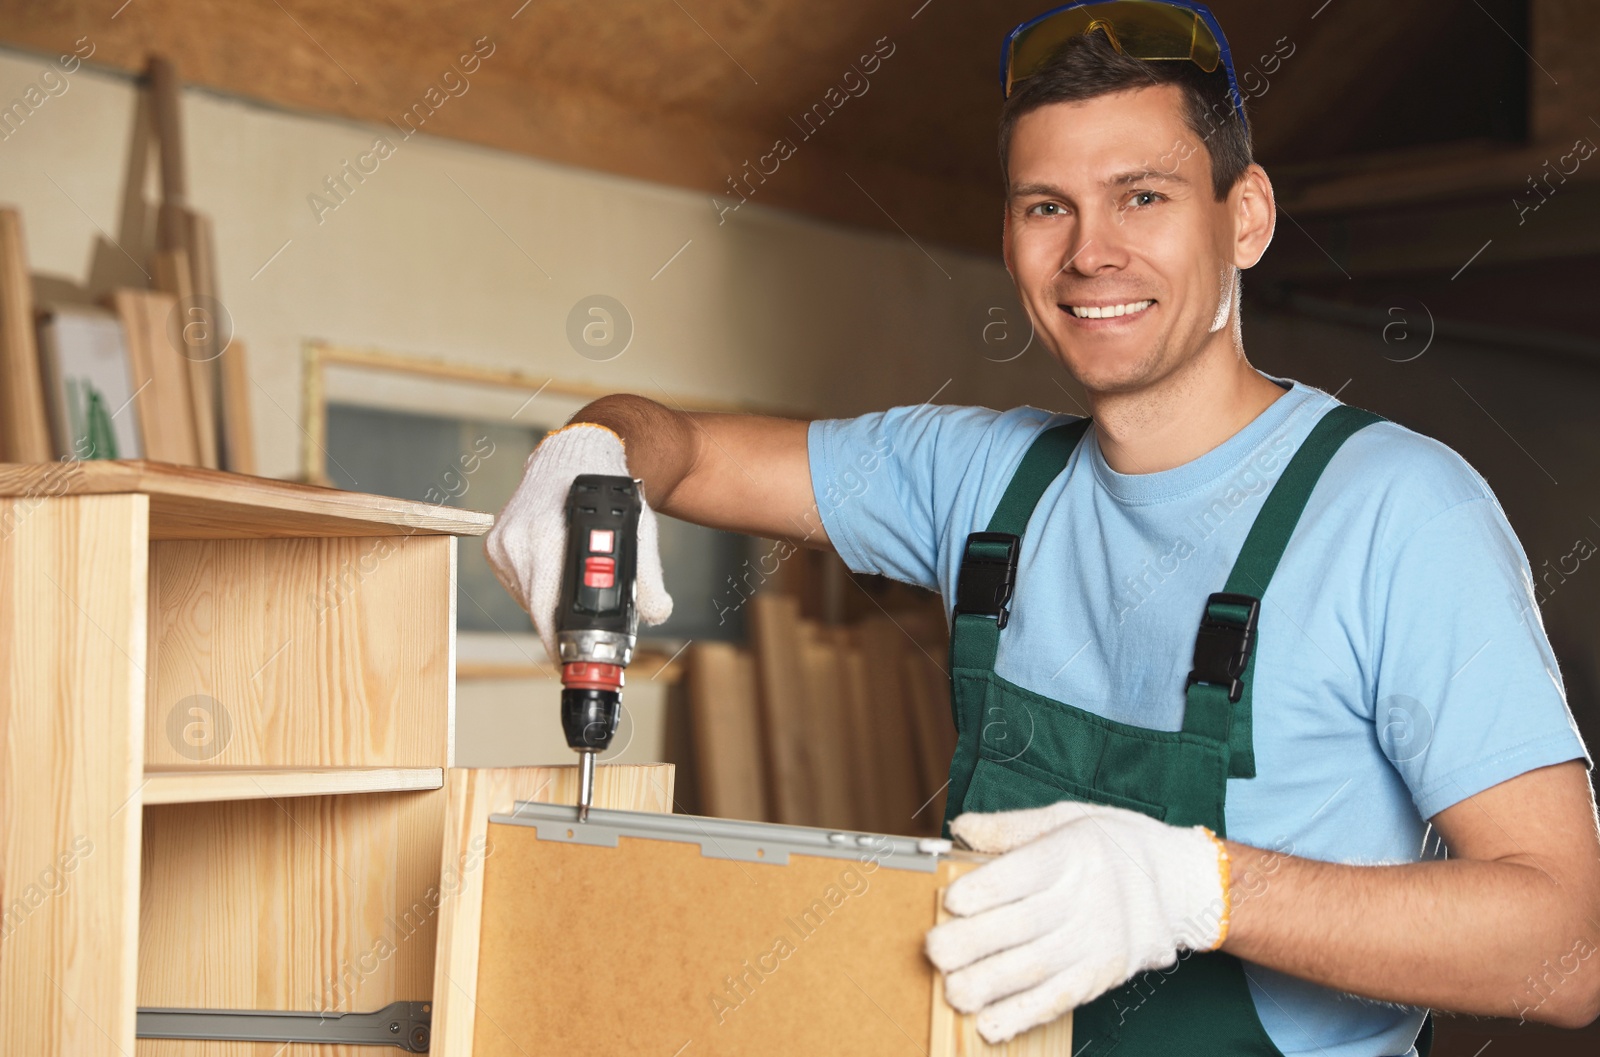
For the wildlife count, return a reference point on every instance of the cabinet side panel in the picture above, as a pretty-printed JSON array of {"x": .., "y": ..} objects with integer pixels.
[
  {"x": 301, "y": 653},
  {"x": 72, "y": 657}
]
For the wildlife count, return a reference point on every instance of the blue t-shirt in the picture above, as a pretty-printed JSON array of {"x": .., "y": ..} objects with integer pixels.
[{"x": 1402, "y": 664}]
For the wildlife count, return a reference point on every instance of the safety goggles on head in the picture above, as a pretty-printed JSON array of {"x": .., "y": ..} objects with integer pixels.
[{"x": 1143, "y": 29}]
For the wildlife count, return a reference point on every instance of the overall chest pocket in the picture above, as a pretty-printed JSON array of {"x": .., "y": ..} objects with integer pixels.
[{"x": 1017, "y": 784}]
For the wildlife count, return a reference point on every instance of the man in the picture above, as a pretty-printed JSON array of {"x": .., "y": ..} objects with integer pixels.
[{"x": 1224, "y": 652}]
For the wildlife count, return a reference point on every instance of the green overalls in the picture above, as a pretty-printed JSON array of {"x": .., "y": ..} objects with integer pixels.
[{"x": 1202, "y": 1005}]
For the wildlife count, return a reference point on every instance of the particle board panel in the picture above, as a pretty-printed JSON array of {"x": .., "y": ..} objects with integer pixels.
[
  {"x": 189, "y": 502},
  {"x": 725, "y": 722},
  {"x": 472, "y": 796},
  {"x": 815, "y": 955},
  {"x": 72, "y": 635},
  {"x": 310, "y": 653},
  {"x": 327, "y": 903}
]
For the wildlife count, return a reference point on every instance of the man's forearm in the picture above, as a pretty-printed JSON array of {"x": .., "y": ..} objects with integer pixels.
[
  {"x": 739, "y": 472},
  {"x": 1470, "y": 936},
  {"x": 660, "y": 441}
]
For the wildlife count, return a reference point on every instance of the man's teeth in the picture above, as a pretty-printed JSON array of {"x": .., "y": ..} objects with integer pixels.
[{"x": 1091, "y": 312}]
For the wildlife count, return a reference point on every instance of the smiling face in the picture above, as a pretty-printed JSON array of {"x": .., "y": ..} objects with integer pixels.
[{"x": 1121, "y": 254}]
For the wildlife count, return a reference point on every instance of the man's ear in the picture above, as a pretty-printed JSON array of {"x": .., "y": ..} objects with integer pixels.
[{"x": 1255, "y": 217}]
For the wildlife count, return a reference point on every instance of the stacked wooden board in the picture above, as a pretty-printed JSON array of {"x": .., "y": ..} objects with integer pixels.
[
  {"x": 63, "y": 386},
  {"x": 817, "y": 724}
]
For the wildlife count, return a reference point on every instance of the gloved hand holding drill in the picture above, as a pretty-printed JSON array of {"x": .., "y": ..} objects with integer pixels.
[{"x": 527, "y": 546}]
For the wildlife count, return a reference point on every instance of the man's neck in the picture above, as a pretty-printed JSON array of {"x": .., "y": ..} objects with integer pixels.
[{"x": 1181, "y": 418}]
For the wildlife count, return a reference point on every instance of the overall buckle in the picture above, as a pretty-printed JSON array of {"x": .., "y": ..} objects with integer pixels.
[
  {"x": 1222, "y": 648},
  {"x": 988, "y": 575}
]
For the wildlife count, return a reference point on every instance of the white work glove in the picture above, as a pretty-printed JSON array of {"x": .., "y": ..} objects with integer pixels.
[
  {"x": 528, "y": 543},
  {"x": 1083, "y": 898}
]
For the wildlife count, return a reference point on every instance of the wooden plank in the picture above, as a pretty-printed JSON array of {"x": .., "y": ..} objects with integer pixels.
[
  {"x": 190, "y": 503},
  {"x": 866, "y": 778},
  {"x": 24, "y": 429},
  {"x": 954, "y": 1034},
  {"x": 196, "y": 787},
  {"x": 311, "y": 653},
  {"x": 474, "y": 795},
  {"x": 883, "y": 644},
  {"x": 830, "y": 729},
  {"x": 934, "y": 731},
  {"x": 174, "y": 274},
  {"x": 161, "y": 78},
  {"x": 201, "y": 246},
  {"x": 725, "y": 719},
  {"x": 160, "y": 381},
  {"x": 238, "y": 432},
  {"x": 774, "y": 638},
  {"x": 72, "y": 632},
  {"x": 205, "y": 314},
  {"x": 327, "y": 904}
]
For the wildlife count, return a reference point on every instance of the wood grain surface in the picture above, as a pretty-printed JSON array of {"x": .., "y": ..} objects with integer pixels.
[
  {"x": 72, "y": 639},
  {"x": 188, "y": 502},
  {"x": 301, "y": 653},
  {"x": 196, "y": 787}
]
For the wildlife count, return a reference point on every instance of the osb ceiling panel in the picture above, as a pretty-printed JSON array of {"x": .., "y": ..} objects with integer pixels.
[{"x": 685, "y": 92}]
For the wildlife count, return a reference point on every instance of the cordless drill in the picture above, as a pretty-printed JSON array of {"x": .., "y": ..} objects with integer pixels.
[{"x": 597, "y": 619}]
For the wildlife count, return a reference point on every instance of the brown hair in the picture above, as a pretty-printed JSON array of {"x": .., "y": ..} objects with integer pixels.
[{"x": 1089, "y": 65}]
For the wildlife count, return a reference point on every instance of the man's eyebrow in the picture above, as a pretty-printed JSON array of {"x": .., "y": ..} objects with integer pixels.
[
  {"x": 1144, "y": 175},
  {"x": 1120, "y": 180},
  {"x": 1029, "y": 190}
]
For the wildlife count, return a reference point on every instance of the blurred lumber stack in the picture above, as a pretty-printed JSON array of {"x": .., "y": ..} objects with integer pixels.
[
  {"x": 24, "y": 433},
  {"x": 171, "y": 348},
  {"x": 842, "y": 725}
]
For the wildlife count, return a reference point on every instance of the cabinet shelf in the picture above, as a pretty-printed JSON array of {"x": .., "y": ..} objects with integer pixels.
[{"x": 197, "y": 787}]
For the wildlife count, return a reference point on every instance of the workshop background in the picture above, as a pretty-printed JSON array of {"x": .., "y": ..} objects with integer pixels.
[{"x": 438, "y": 229}]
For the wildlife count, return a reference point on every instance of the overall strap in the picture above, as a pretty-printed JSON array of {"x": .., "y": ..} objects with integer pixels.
[
  {"x": 1218, "y": 692},
  {"x": 989, "y": 563}
]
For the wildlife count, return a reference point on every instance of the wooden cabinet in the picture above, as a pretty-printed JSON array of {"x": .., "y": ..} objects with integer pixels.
[{"x": 226, "y": 707}]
